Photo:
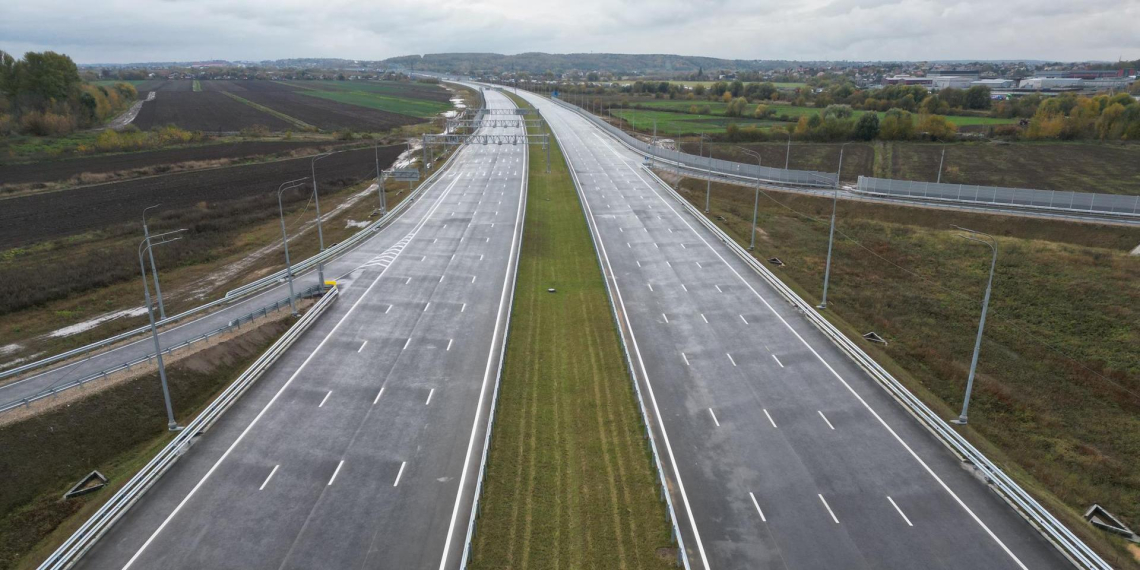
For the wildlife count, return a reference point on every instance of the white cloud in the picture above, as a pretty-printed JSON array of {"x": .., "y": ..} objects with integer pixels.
[{"x": 187, "y": 30}]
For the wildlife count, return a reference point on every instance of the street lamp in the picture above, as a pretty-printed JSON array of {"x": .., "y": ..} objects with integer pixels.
[
  {"x": 708, "y": 185},
  {"x": 831, "y": 234},
  {"x": 788, "y": 153},
  {"x": 317, "y": 202},
  {"x": 992, "y": 243},
  {"x": 379, "y": 180},
  {"x": 940, "y": 162},
  {"x": 146, "y": 244},
  {"x": 285, "y": 237},
  {"x": 756, "y": 203},
  {"x": 153, "y": 267}
]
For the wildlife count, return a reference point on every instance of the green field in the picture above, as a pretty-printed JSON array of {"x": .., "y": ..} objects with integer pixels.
[
  {"x": 674, "y": 124},
  {"x": 1057, "y": 397},
  {"x": 792, "y": 112},
  {"x": 394, "y": 97},
  {"x": 779, "y": 85},
  {"x": 570, "y": 482}
]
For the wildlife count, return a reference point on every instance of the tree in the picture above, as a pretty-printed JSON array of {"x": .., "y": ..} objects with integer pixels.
[
  {"x": 867, "y": 127},
  {"x": 47, "y": 76},
  {"x": 699, "y": 89},
  {"x": 838, "y": 111},
  {"x": 937, "y": 127},
  {"x": 763, "y": 112},
  {"x": 978, "y": 97},
  {"x": 897, "y": 124},
  {"x": 736, "y": 107}
]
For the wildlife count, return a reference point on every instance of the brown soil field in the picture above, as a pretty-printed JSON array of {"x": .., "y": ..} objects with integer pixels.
[
  {"x": 203, "y": 111},
  {"x": 65, "y": 169},
  {"x": 32, "y": 218},
  {"x": 321, "y": 113}
]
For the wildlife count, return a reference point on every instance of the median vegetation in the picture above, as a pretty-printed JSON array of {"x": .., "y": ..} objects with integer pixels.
[{"x": 570, "y": 482}]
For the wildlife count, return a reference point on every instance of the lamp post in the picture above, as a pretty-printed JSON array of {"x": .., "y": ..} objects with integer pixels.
[
  {"x": 940, "y": 162},
  {"x": 992, "y": 243},
  {"x": 146, "y": 244},
  {"x": 153, "y": 267},
  {"x": 788, "y": 153},
  {"x": 756, "y": 202},
  {"x": 285, "y": 238},
  {"x": 380, "y": 180},
  {"x": 831, "y": 233},
  {"x": 317, "y": 202}
]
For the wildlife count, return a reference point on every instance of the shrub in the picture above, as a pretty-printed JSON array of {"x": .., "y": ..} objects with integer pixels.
[
  {"x": 253, "y": 131},
  {"x": 45, "y": 124}
]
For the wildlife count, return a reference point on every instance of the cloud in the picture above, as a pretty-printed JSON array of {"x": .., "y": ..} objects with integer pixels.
[{"x": 188, "y": 30}]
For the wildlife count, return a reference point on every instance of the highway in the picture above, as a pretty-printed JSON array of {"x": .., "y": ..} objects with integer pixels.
[
  {"x": 780, "y": 452},
  {"x": 360, "y": 447}
]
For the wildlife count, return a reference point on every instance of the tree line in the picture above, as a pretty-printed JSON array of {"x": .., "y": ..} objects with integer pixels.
[{"x": 42, "y": 94}]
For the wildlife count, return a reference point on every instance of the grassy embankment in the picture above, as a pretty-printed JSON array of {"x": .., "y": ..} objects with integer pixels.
[
  {"x": 1057, "y": 398},
  {"x": 394, "y": 97},
  {"x": 1111, "y": 168},
  {"x": 570, "y": 481},
  {"x": 115, "y": 431}
]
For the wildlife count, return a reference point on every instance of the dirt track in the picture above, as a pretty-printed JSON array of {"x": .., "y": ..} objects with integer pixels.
[{"x": 37, "y": 217}]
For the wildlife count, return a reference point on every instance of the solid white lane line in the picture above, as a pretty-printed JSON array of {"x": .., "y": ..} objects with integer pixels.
[
  {"x": 666, "y": 317},
  {"x": 378, "y": 394},
  {"x": 338, "y": 466},
  {"x": 828, "y": 507},
  {"x": 686, "y": 358},
  {"x": 463, "y": 307},
  {"x": 770, "y": 420},
  {"x": 441, "y": 279},
  {"x": 449, "y": 341},
  {"x": 472, "y": 278},
  {"x": 430, "y": 393},
  {"x": 730, "y": 359},
  {"x": 825, "y": 419},
  {"x": 388, "y": 309},
  {"x": 667, "y": 262},
  {"x": 426, "y": 306},
  {"x": 650, "y": 286},
  {"x": 743, "y": 319},
  {"x": 362, "y": 346},
  {"x": 718, "y": 289},
  {"x": 406, "y": 343},
  {"x": 639, "y": 263},
  {"x": 325, "y": 399},
  {"x": 266, "y": 482},
  {"x": 699, "y": 265},
  {"x": 901, "y": 514},
  {"x": 714, "y": 417},
  {"x": 400, "y": 473},
  {"x": 704, "y": 319},
  {"x": 408, "y": 281},
  {"x": 777, "y": 361},
  {"x": 757, "y": 505},
  {"x": 685, "y": 288}
]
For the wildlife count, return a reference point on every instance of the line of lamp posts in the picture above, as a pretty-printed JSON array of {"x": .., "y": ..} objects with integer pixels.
[
  {"x": 968, "y": 234},
  {"x": 149, "y": 242}
]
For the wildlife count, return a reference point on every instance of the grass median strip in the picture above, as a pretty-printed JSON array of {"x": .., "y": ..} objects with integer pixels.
[{"x": 570, "y": 481}]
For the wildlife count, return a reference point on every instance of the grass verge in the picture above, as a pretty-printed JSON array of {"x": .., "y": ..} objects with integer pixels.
[
  {"x": 569, "y": 481},
  {"x": 115, "y": 431},
  {"x": 1056, "y": 399}
]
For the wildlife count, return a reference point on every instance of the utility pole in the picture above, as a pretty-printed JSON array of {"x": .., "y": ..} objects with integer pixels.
[
  {"x": 708, "y": 187},
  {"x": 940, "y": 161},
  {"x": 285, "y": 239},
  {"x": 788, "y": 154},
  {"x": 153, "y": 267},
  {"x": 379, "y": 179},
  {"x": 320, "y": 230},
  {"x": 171, "y": 424},
  {"x": 756, "y": 202},
  {"x": 992, "y": 243},
  {"x": 831, "y": 233}
]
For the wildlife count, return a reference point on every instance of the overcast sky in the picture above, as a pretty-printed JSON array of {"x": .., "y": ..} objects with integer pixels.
[{"x": 121, "y": 31}]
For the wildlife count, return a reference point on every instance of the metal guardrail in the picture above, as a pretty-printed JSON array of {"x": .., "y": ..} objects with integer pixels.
[
  {"x": 674, "y": 522},
  {"x": 1055, "y": 531},
  {"x": 247, "y": 289},
  {"x": 55, "y": 389},
  {"x": 95, "y": 527},
  {"x": 1063, "y": 200}
]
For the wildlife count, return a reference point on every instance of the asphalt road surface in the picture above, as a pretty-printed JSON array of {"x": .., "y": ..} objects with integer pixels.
[
  {"x": 781, "y": 452},
  {"x": 360, "y": 448}
]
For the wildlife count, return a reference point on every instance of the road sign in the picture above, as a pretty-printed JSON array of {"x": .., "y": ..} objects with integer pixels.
[{"x": 408, "y": 174}]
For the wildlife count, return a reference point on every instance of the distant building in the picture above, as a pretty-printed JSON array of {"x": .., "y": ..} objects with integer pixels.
[
  {"x": 907, "y": 80},
  {"x": 1087, "y": 73},
  {"x": 1040, "y": 83},
  {"x": 995, "y": 83},
  {"x": 951, "y": 82},
  {"x": 1107, "y": 83},
  {"x": 971, "y": 73}
]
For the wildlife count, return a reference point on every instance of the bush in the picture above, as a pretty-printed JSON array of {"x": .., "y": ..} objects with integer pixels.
[
  {"x": 45, "y": 124},
  {"x": 254, "y": 131}
]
